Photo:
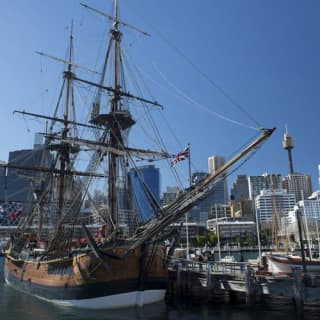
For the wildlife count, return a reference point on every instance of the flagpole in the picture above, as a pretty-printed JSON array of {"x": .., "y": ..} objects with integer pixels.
[{"x": 186, "y": 215}]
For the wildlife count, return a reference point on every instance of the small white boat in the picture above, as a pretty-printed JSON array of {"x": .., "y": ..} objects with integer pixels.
[{"x": 285, "y": 264}]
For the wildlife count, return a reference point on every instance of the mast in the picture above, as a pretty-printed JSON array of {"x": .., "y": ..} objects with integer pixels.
[
  {"x": 186, "y": 214},
  {"x": 275, "y": 221},
  {"x": 112, "y": 122},
  {"x": 118, "y": 120},
  {"x": 115, "y": 134},
  {"x": 64, "y": 150}
]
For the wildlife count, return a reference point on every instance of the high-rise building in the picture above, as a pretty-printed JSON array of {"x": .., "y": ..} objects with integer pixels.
[
  {"x": 198, "y": 176},
  {"x": 240, "y": 188},
  {"x": 298, "y": 184},
  {"x": 219, "y": 211},
  {"x": 170, "y": 195},
  {"x": 242, "y": 205},
  {"x": 199, "y": 213},
  {"x": 219, "y": 193},
  {"x": 271, "y": 202},
  {"x": 18, "y": 185},
  {"x": 310, "y": 210},
  {"x": 263, "y": 182},
  {"x": 215, "y": 163},
  {"x": 242, "y": 208},
  {"x": 145, "y": 182}
]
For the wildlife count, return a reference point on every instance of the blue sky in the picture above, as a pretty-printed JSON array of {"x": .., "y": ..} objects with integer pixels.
[{"x": 263, "y": 54}]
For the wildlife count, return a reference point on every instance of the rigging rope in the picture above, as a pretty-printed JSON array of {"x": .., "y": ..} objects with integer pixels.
[
  {"x": 158, "y": 139},
  {"x": 202, "y": 73},
  {"x": 193, "y": 102}
]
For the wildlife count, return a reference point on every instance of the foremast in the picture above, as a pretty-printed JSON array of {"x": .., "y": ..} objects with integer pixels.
[
  {"x": 52, "y": 191},
  {"x": 62, "y": 238}
]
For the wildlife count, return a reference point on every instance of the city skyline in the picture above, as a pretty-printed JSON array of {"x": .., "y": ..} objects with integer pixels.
[
  {"x": 255, "y": 63},
  {"x": 229, "y": 185}
]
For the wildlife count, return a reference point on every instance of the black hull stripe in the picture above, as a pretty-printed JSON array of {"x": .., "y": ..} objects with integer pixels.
[{"x": 86, "y": 291}]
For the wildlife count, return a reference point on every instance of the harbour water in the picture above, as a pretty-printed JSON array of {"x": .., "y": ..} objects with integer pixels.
[{"x": 15, "y": 305}]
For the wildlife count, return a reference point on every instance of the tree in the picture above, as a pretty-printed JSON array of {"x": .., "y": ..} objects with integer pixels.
[
  {"x": 201, "y": 240},
  {"x": 212, "y": 239}
]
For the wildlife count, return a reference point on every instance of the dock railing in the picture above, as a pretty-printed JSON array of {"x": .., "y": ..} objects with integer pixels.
[{"x": 233, "y": 268}]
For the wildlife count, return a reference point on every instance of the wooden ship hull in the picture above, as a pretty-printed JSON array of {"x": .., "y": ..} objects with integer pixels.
[{"x": 88, "y": 282}]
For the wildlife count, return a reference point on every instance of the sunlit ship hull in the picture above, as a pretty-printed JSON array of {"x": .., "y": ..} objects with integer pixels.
[{"x": 84, "y": 281}]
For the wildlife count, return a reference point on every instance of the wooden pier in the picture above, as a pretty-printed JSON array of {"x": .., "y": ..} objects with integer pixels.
[{"x": 239, "y": 282}]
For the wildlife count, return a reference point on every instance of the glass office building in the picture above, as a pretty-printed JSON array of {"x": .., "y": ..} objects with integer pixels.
[{"x": 145, "y": 183}]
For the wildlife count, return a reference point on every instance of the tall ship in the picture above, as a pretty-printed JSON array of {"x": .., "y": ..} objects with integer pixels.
[{"x": 72, "y": 247}]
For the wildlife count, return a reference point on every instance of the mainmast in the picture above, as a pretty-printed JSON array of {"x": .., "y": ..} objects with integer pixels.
[
  {"x": 117, "y": 120},
  {"x": 115, "y": 136}
]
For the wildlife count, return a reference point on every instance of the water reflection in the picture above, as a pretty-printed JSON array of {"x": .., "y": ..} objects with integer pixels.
[
  {"x": 15, "y": 305},
  {"x": 156, "y": 311}
]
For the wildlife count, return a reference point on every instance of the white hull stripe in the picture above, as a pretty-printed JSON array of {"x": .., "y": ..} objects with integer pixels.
[{"x": 137, "y": 298}]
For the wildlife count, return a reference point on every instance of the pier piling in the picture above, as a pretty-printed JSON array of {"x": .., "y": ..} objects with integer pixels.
[
  {"x": 249, "y": 286},
  {"x": 298, "y": 292}
]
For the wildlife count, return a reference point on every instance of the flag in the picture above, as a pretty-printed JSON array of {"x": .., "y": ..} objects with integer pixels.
[{"x": 181, "y": 156}]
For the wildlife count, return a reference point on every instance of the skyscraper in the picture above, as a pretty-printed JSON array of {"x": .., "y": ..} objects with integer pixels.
[
  {"x": 270, "y": 202},
  {"x": 145, "y": 182},
  {"x": 170, "y": 195},
  {"x": 242, "y": 205},
  {"x": 199, "y": 213},
  {"x": 215, "y": 162},
  {"x": 240, "y": 188},
  {"x": 263, "y": 182},
  {"x": 220, "y": 189},
  {"x": 17, "y": 184},
  {"x": 311, "y": 213},
  {"x": 217, "y": 195},
  {"x": 298, "y": 184}
]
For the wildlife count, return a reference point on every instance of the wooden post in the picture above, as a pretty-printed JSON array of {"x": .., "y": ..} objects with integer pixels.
[
  {"x": 178, "y": 279},
  {"x": 250, "y": 286},
  {"x": 298, "y": 215},
  {"x": 209, "y": 281},
  {"x": 298, "y": 290}
]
